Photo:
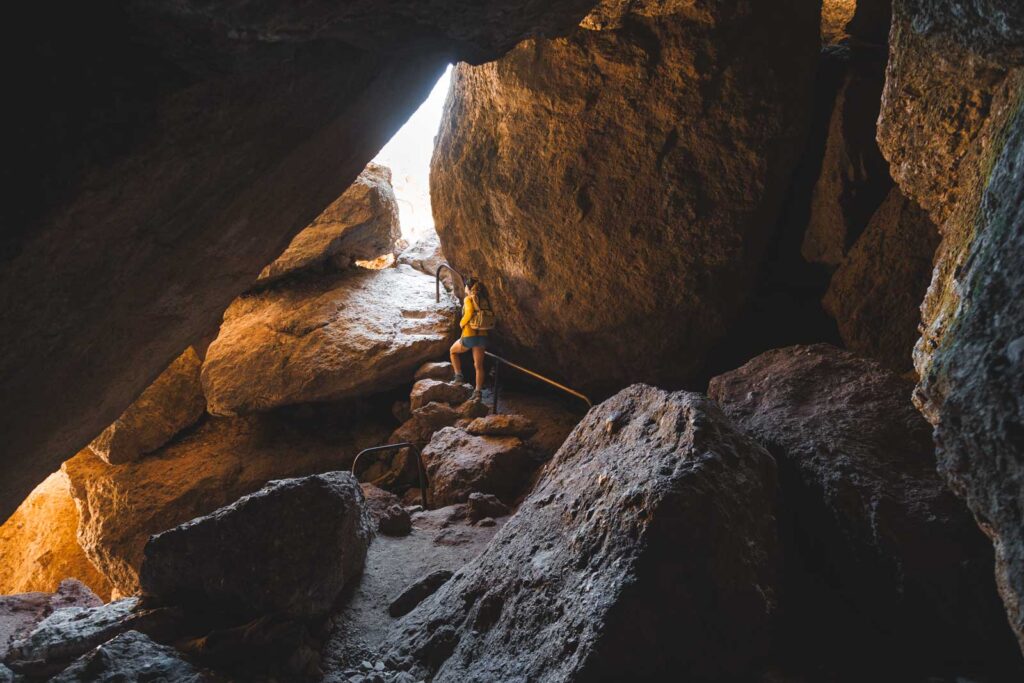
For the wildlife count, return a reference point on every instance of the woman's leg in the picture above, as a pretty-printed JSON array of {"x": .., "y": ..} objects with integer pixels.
[
  {"x": 478, "y": 363},
  {"x": 456, "y": 349}
]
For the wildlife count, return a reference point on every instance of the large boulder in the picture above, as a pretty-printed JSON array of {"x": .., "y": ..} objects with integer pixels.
[
  {"x": 361, "y": 224},
  {"x": 337, "y": 337},
  {"x": 459, "y": 464},
  {"x": 132, "y": 657},
  {"x": 170, "y": 404},
  {"x": 427, "y": 391},
  {"x": 287, "y": 549},
  {"x": 976, "y": 377},
  {"x": 642, "y": 159},
  {"x": 39, "y": 543},
  {"x": 875, "y": 293},
  {"x": 950, "y": 128},
  {"x": 870, "y": 515},
  {"x": 121, "y": 506},
  {"x": 649, "y": 546},
  {"x": 172, "y": 151}
]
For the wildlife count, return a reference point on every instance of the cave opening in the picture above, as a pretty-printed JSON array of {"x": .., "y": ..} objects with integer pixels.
[
  {"x": 745, "y": 230},
  {"x": 408, "y": 155}
]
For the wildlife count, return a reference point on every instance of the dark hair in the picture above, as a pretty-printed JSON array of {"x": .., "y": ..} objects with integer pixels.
[{"x": 481, "y": 292}]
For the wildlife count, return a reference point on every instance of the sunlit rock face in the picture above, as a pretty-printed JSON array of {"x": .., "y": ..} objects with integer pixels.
[
  {"x": 361, "y": 224},
  {"x": 39, "y": 543},
  {"x": 323, "y": 339},
  {"x": 950, "y": 128},
  {"x": 170, "y": 404},
  {"x": 615, "y": 189},
  {"x": 171, "y": 153}
]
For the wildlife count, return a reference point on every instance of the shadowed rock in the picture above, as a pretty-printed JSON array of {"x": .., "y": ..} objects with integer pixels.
[
  {"x": 854, "y": 177},
  {"x": 875, "y": 294},
  {"x": 386, "y": 512},
  {"x": 287, "y": 549},
  {"x": 950, "y": 128},
  {"x": 649, "y": 546},
  {"x": 871, "y": 518},
  {"x": 418, "y": 592},
  {"x": 72, "y": 631},
  {"x": 120, "y": 507},
  {"x": 130, "y": 657},
  {"x": 977, "y": 377},
  {"x": 20, "y": 614}
]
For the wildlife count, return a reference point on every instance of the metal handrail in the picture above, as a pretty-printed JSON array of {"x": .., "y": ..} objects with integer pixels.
[
  {"x": 437, "y": 280},
  {"x": 539, "y": 376},
  {"x": 392, "y": 446}
]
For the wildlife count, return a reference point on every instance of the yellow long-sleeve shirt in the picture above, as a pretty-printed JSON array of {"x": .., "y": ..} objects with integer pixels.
[{"x": 468, "y": 309}]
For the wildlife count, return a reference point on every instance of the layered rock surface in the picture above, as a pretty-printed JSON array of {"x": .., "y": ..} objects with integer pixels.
[
  {"x": 132, "y": 656},
  {"x": 950, "y": 128},
  {"x": 360, "y": 224},
  {"x": 326, "y": 339},
  {"x": 20, "y": 614},
  {"x": 39, "y": 543},
  {"x": 173, "y": 151},
  {"x": 875, "y": 293},
  {"x": 648, "y": 546},
  {"x": 287, "y": 549},
  {"x": 979, "y": 374},
  {"x": 122, "y": 506},
  {"x": 619, "y": 184},
  {"x": 872, "y": 519},
  {"x": 170, "y": 404}
]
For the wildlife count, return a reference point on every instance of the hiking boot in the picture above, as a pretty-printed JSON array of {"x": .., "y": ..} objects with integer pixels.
[
  {"x": 457, "y": 379},
  {"x": 477, "y": 396}
]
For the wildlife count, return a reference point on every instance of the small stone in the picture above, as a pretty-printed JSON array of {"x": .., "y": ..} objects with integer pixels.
[
  {"x": 502, "y": 425},
  {"x": 417, "y": 592},
  {"x": 378, "y": 666},
  {"x": 441, "y": 371},
  {"x": 428, "y": 390},
  {"x": 486, "y": 521},
  {"x": 483, "y": 505},
  {"x": 366, "y": 665}
]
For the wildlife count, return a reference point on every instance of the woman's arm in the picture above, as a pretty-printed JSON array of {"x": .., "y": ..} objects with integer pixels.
[{"x": 467, "y": 311}]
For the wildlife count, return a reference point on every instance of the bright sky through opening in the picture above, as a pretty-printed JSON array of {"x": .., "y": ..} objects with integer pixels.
[{"x": 408, "y": 153}]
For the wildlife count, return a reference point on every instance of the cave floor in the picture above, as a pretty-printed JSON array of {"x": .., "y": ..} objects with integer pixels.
[{"x": 439, "y": 540}]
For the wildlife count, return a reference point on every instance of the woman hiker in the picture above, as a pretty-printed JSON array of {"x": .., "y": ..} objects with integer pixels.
[{"x": 477, "y": 319}]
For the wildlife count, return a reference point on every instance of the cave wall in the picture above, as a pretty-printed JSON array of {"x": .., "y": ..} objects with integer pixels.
[
  {"x": 163, "y": 153},
  {"x": 615, "y": 189},
  {"x": 951, "y": 129}
]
